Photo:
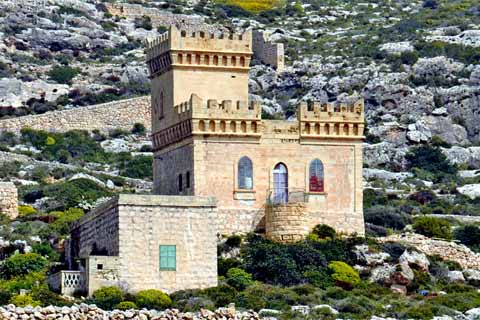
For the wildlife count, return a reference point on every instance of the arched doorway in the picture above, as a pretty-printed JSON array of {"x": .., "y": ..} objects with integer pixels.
[{"x": 280, "y": 184}]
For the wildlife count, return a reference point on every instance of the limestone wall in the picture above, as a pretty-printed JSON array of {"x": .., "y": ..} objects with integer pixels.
[
  {"x": 158, "y": 18},
  {"x": 104, "y": 117},
  {"x": 134, "y": 227},
  {"x": 8, "y": 199},
  {"x": 268, "y": 52},
  {"x": 286, "y": 222}
]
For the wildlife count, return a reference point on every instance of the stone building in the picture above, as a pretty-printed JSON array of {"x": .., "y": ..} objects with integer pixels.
[
  {"x": 268, "y": 52},
  {"x": 219, "y": 168},
  {"x": 210, "y": 141},
  {"x": 141, "y": 242}
]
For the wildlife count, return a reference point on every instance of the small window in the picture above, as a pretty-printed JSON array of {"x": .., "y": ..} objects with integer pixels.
[
  {"x": 180, "y": 183},
  {"x": 187, "y": 178},
  {"x": 245, "y": 174},
  {"x": 316, "y": 176},
  {"x": 168, "y": 258},
  {"x": 99, "y": 266}
]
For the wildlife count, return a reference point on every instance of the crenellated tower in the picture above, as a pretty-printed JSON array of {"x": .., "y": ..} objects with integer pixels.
[
  {"x": 280, "y": 176},
  {"x": 210, "y": 65}
]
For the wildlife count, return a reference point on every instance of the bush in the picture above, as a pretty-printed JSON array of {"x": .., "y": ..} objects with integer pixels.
[
  {"x": 431, "y": 159},
  {"x": 344, "y": 275},
  {"x": 126, "y": 305},
  {"x": 387, "y": 216},
  {"x": 61, "y": 226},
  {"x": 234, "y": 241},
  {"x": 23, "y": 301},
  {"x": 48, "y": 298},
  {"x": 139, "y": 128},
  {"x": 324, "y": 231},
  {"x": 221, "y": 295},
  {"x": 433, "y": 227},
  {"x": 239, "y": 279},
  {"x": 153, "y": 299},
  {"x": 468, "y": 235},
  {"x": 26, "y": 210},
  {"x": 63, "y": 74},
  {"x": 261, "y": 296},
  {"x": 22, "y": 264},
  {"x": 46, "y": 250},
  {"x": 319, "y": 278},
  {"x": 226, "y": 264},
  {"x": 139, "y": 167},
  {"x": 107, "y": 297}
]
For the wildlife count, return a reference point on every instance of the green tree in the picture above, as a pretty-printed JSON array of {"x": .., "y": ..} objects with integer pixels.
[
  {"x": 153, "y": 299},
  {"x": 107, "y": 297},
  {"x": 239, "y": 279},
  {"x": 433, "y": 227}
]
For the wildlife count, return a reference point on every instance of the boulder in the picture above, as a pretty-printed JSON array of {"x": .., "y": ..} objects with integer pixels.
[
  {"x": 325, "y": 306},
  {"x": 415, "y": 259},
  {"x": 472, "y": 276},
  {"x": 470, "y": 190},
  {"x": 382, "y": 274},
  {"x": 370, "y": 258},
  {"x": 455, "y": 276}
]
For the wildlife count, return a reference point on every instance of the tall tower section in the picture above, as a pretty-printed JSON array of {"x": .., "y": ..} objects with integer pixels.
[
  {"x": 182, "y": 63},
  {"x": 198, "y": 80}
]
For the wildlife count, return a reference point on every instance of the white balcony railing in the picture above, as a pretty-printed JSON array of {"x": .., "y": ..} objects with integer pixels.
[{"x": 67, "y": 282}]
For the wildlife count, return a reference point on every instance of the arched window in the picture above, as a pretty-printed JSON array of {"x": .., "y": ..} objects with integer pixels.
[
  {"x": 245, "y": 174},
  {"x": 280, "y": 183},
  {"x": 316, "y": 176}
]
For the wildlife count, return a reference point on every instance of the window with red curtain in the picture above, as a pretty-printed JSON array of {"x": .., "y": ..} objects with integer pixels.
[{"x": 316, "y": 176}]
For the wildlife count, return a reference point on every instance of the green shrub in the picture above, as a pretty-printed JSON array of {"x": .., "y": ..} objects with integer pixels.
[
  {"x": 234, "y": 241},
  {"x": 319, "y": 278},
  {"x": 26, "y": 210},
  {"x": 45, "y": 249},
  {"x": 387, "y": 216},
  {"x": 5, "y": 297},
  {"x": 107, "y": 297},
  {"x": 139, "y": 167},
  {"x": 23, "y": 301},
  {"x": 61, "y": 225},
  {"x": 139, "y": 128},
  {"x": 221, "y": 295},
  {"x": 431, "y": 159},
  {"x": 63, "y": 74},
  {"x": 239, "y": 279},
  {"x": 343, "y": 274},
  {"x": 153, "y": 299},
  {"x": 126, "y": 305},
  {"x": 226, "y": 264},
  {"x": 468, "y": 235},
  {"x": 48, "y": 298},
  {"x": 261, "y": 296},
  {"x": 22, "y": 264},
  {"x": 324, "y": 231},
  {"x": 433, "y": 227}
]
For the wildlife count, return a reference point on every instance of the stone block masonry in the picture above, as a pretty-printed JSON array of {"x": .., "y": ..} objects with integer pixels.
[
  {"x": 268, "y": 52},
  {"x": 121, "y": 114},
  {"x": 8, "y": 199},
  {"x": 129, "y": 231}
]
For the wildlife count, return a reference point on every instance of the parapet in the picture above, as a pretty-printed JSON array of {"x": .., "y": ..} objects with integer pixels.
[
  {"x": 197, "y": 108},
  {"x": 200, "y": 41},
  {"x": 331, "y": 120}
]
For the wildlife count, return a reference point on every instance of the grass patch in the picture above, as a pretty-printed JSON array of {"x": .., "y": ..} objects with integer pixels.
[{"x": 255, "y": 6}]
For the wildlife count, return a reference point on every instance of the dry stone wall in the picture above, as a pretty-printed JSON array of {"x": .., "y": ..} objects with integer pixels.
[
  {"x": 8, "y": 199},
  {"x": 121, "y": 114}
]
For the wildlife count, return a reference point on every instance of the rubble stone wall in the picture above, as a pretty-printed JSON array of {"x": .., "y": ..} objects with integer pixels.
[
  {"x": 121, "y": 114},
  {"x": 8, "y": 199},
  {"x": 268, "y": 52}
]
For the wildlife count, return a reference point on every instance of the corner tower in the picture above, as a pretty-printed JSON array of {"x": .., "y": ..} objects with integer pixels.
[{"x": 182, "y": 63}]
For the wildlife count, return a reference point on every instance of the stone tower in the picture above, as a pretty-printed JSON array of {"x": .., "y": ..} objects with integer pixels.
[{"x": 280, "y": 176}]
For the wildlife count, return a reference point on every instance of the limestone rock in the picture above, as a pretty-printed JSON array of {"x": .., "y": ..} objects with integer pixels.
[
  {"x": 414, "y": 258},
  {"x": 455, "y": 276}
]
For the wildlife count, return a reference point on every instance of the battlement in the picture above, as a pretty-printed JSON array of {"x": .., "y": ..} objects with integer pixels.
[
  {"x": 196, "y": 107},
  {"x": 200, "y": 41},
  {"x": 331, "y": 120}
]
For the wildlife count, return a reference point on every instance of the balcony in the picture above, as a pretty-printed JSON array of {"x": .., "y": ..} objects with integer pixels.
[
  {"x": 280, "y": 196},
  {"x": 67, "y": 282}
]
